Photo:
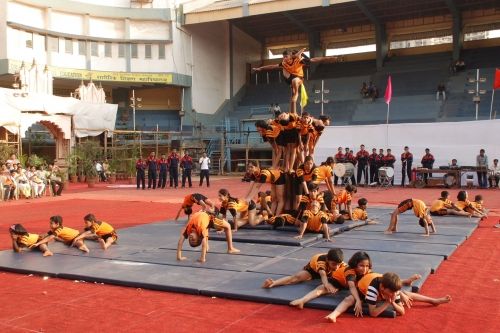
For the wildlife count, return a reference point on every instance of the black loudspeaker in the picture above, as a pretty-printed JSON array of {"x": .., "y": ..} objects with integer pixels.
[{"x": 175, "y": 144}]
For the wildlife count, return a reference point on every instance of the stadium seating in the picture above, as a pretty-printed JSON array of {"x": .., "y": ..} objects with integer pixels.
[{"x": 414, "y": 81}]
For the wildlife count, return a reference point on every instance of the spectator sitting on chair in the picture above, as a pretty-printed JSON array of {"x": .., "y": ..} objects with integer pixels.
[
  {"x": 100, "y": 171},
  {"x": 454, "y": 164},
  {"x": 494, "y": 173},
  {"x": 364, "y": 90},
  {"x": 441, "y": 90},
  {"x": 55, "y": 180}
]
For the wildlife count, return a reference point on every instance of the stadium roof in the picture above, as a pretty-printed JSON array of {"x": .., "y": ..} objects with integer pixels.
[{"x": 269, "y": 18}]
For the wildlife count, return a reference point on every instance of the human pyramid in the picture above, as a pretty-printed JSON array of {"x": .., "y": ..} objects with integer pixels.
[{"x": 295, "y": 199}]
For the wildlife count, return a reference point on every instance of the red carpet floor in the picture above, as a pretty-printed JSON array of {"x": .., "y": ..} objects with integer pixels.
[{"x": 32, "y": 304}]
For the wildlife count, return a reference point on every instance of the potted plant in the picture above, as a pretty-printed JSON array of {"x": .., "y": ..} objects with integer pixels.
[
  {"x": 72, "y": 163},
  {"x": 113, "y": 166},
  {"x": 90, "y": 173},
  {"x": 131, "y": 171},
  {"x": 88, "y": 152}
]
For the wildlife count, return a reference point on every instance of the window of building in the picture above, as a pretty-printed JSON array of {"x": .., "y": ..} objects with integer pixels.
[
  {"x": 147, "y": 51},
  {"x": 405, "y": 44},
  {"x": 29, "y": 40},
  {"x": 68, "y": 46},
  {"x": 53, "y": 44},
  {"x": 94, "y": 49},
  {"x": 82, "y": 47},
  {"x": 107, "y": 50},
  {"x": 161, "y": 51},
  {"x": 134, "y": 51},
  {"x": 479, "y": 35},
  {"x": 121, "y": 50}
]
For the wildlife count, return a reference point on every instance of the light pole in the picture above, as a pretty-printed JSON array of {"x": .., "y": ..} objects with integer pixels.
[
  {"x": 476, "y": 92},
  {"x": 135, "y": 103},
  {"x": 323, "y": 92}
]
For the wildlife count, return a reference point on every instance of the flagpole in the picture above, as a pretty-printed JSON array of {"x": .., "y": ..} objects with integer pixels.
[
  {"x": 491, "y": 106},
  {"x": 387, "y": 126}
]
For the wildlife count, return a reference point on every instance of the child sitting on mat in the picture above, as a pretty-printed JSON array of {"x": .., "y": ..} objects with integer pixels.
[
  {"x": 464, "y": 204},
  {"x": 101, "y": 231},
  {"x": 343, "y": 199},
  {"x": 62, "y": 234},
  {"x": 314, "y": 220},
  {"x": 419, "y": 209},
  {"x": 22, "y": 240},
  {"x": 320, "y": 266},
  {"x": 443, "y": 206},
  {"x": 381, "y": 291},
  {"x": 196, "y": 231},
  {"x": 478, "y": 203}
]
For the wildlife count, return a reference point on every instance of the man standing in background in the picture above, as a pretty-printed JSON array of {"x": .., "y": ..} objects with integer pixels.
[
  {"x": 152, "y": 163},
  {"x": 173, "y": 168},
  {"x": 186, "y": 166},
  {"x": 427, "y": 162},
  {"x": 204, "y": 169},
  {"x": 406, "y": 161},
  {"x": 162, "y": 164},
  {"x": 482, "y": 169}
]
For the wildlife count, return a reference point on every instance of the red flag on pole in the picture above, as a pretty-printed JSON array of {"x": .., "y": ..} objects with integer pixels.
[
  {"x": 388, "y": 91},
  {"x": 496, "y": 84}
]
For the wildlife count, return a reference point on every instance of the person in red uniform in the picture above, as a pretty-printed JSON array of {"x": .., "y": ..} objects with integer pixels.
[
  {"x": 427, "y": 162},
  {"x": 339, "y": 158},
  {"x": 373, "y": 161},
  {"x": 152, "y": 163},
  {"x": 140, "y": 167},
  {"x": 389, "y": 161},
  {"x": 186, "y": 167},
  {"x": 350, "y": 158},
  {"x": 406, "y": 161},
  {"x": 362, "y": 158},
  {"x": 173, "y": 168},
  {"x": 162, "y": 165}
]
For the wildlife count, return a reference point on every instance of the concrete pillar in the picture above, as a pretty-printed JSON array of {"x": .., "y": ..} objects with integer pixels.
[
  {"x": 86, "y": 32},
  {"x": 3, "y": 29},
  {"x": 48, "y": 26},
  {"x": 128, "y": 50},
  {"x": 458, "y": 36},
  {"x": 315, "y": 49},
  {"x": 382, "y": 44},
  {"x": 231, "y": 56}
]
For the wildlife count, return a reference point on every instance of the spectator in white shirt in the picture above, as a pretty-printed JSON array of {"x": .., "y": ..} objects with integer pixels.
[
  {"x": 204, "y": 169},
  {"x": 494, "y": 173}
]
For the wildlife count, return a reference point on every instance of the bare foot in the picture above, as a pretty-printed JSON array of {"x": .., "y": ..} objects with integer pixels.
[
  {"x": 442, "y": 300},
  {"x": 297, "y": 303},
  {"x": 268, "y": 283},
  {"x": 48, "y": 253},
  {"x": 412, "y": 279},
  {"x": 84, "y": 249},
  {"x": 331, "y": 318},
  {"x": 103, "y": 243},
  {"x": 233, "y": 250},
  {"x": 388, "y": 232}
]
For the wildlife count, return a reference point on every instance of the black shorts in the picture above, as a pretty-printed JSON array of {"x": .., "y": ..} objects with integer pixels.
[
  {"x": 303, "y": 138},
  {"x": 280, "y": 139},
  {"x": 335, "y": 283},
  {"x": 291, "y": 77},
  {"x": 315, "y": 275},
  {"x": 111, "y": 234},
  {"x": 405, "y": 205},
  {"x": 291, "y": 136},
  {"x": 281, "y": 180},
  {"x": 441, "y": 212},
  {"x": 68, "y": 243},
  {"x": 251, "y": 205}
]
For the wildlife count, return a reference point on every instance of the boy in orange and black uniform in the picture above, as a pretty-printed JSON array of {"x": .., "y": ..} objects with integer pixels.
[
  {"x": 63, "y": 234},
  {"x": 196, "y": 231},
  {"x": 101, "y": 231}
]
